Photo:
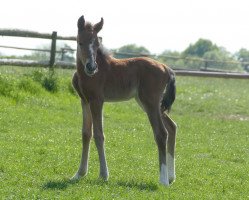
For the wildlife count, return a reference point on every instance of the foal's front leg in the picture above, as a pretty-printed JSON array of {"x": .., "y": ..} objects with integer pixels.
[
  {"x": 86, "y": 138},
  {"x": 96, "y": 109}
]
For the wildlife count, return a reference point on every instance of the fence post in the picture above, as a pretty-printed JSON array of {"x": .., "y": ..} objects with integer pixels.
[
  {"x": 53, "y": 49},
  {"x": 205, "y": 65},
  {"x": 63, "y": 51}
]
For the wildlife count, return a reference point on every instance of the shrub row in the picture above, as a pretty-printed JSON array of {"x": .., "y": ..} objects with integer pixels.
[{"x": 33, "y": 83}]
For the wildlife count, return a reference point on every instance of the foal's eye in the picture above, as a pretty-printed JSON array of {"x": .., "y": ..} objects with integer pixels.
[{"x": 80, "y": 44}]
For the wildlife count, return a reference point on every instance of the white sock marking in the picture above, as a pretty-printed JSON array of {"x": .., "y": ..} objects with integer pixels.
[
  {"x": 164, "y": 175},
  {"x": 171, "y": 167}
]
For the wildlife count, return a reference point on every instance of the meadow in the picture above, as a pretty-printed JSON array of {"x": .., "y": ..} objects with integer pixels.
[{"x": 40, "y": 141}]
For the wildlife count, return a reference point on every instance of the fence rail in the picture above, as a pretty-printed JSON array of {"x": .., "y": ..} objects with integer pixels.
[
  {"x": 31, "y": 34},
  {"x": 212, "y": 74},
  {"x": 205, "y": 71}
]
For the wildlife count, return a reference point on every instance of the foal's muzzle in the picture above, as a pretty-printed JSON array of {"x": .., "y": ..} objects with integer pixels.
[{"x": 91, "y": 68}]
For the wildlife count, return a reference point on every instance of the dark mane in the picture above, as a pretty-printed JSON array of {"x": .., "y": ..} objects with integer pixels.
[{"x": 104, "y": 52}]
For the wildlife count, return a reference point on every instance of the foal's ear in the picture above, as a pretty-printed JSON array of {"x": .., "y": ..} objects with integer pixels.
[
  {"x": 97, "y": 27},
  {"x": 81, "y": 23}
]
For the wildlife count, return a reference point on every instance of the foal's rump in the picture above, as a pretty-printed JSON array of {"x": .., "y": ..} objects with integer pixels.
[
  {"x": 157, "y": 81},
  {"x": 170, "y": 93}
]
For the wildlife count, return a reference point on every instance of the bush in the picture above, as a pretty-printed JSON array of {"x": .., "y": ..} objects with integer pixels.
[
  {"x": 6, "y": 86},
  {"x": 48, "y": 80},
  {"x": 28, "y": 85},
  {"x": 34, "y": 83},
  {"x": 37, "y": 76},
  {"x": 50, "y": 83}
]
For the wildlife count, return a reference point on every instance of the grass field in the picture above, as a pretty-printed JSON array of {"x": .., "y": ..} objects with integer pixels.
[{"x": 40, "y": 142}]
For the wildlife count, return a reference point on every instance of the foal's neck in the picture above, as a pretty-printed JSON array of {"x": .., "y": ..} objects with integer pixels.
[{"x": 103, "y": 55}]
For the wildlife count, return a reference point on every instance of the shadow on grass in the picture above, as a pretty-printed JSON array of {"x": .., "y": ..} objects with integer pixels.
[
  {"x": 64, "y": 184},
  {"x": 132, "y": 184},
  {"x": 139, "y": 186},
  {"x": 58, "y": 185}
]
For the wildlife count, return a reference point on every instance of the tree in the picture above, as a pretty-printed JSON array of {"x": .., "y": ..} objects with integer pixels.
[
  {"x": 243, "y": 56},
  {"x": 131, "y": 50},
  {"x": 221, "y": 59},
  {"x": 171, "y": 58},
  {"x": 200, "y": 48}
]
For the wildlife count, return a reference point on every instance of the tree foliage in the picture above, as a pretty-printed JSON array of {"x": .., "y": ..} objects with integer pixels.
[
  {"x": 205, "y": 55},
  {"x": 221, "y": 59},
  {"x": 171, "y": 58},
  {"x": 133, "y": 48},
  {"x": 200, "y": 48},
  {"x": 243, "y": 56},
  {"x": 130, "y": 50}
]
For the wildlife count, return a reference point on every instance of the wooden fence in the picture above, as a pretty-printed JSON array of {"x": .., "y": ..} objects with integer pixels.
[
  {"x": 54, "y": 37},
  {"x": 212, "y": 74},
  {"x": 30, "y": 34}
]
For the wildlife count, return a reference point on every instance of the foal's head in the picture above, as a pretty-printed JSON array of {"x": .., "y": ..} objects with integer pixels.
[{"x": 88, "y": 44}]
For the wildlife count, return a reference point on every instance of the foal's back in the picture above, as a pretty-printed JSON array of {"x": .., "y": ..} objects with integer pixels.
[{"x": 127, "y": 78}]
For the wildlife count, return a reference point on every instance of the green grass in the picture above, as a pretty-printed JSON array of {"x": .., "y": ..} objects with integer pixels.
[{"x": 40, "y": 142}]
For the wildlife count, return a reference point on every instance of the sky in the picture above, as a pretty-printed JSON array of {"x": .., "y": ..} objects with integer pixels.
[{"x": 158, "y": 25}]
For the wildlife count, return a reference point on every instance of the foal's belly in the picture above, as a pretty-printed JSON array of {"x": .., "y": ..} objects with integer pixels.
[
  {"x": 120, "y": 84},
  {"x": 119, "y": 94}
]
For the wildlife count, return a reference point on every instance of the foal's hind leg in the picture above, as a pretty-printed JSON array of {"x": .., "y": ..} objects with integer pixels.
[
  {"x": 86, "y": 138},
  {"x": 171, "y": 128},
  {"x": 160, "y": 134}
]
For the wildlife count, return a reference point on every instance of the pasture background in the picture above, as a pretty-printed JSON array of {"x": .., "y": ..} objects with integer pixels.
[{"x": 40, "y": 140}]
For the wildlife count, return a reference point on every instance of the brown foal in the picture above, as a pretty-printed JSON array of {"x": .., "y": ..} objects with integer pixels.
[{"x": 100, "y": 77}]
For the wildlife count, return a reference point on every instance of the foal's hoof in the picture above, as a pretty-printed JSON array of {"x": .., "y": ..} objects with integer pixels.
[
  {"x": 76, "y": 177},
  {"x": 165, "y": 183},
  {"x": 104, "y": 176},
  {"x": 172, "y": 180}
]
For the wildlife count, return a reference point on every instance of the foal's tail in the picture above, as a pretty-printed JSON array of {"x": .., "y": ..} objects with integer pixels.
[{"x": 170, "y": 93}]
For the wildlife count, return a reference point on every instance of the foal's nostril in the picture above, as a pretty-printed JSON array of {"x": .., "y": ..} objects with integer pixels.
[{"x": 89, "y": 67}]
